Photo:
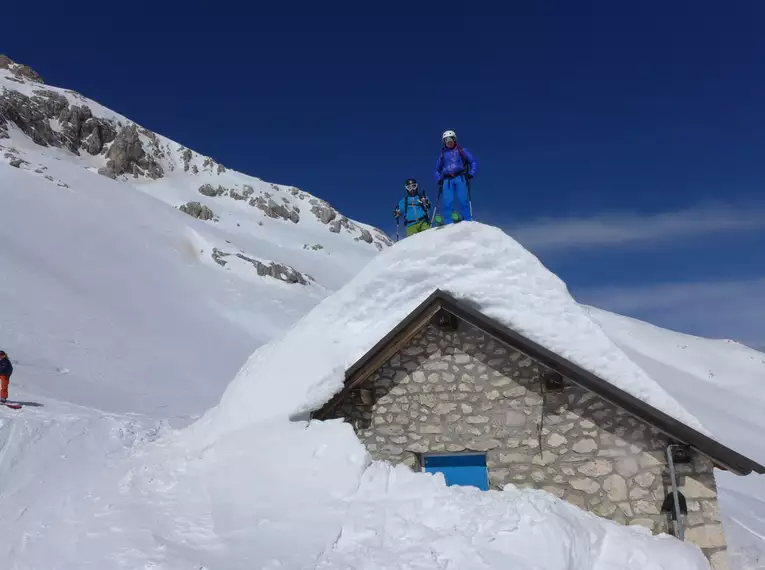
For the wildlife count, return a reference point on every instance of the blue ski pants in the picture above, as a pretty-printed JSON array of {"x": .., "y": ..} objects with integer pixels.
[{"x": 456, "y": 199}]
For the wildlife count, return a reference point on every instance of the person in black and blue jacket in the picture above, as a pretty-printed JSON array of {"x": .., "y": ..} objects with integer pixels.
[
  {"x": 414, "y": 209},
  {"x": 6, "y": 369}
]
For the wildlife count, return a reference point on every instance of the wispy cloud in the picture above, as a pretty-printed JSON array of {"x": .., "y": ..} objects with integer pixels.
[
  {"x": 725, "y": 309},
  {"x": 609, "y": 229}
]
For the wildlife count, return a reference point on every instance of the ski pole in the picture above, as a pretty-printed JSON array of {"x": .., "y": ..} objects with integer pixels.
[
  {"x": 470, "y": 195},
  {"x": 397, "y": 222},
  {"x": 435, "y": 206}
]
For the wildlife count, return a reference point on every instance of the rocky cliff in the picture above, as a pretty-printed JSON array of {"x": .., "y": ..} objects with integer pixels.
[{"x": 120, "y": 149}]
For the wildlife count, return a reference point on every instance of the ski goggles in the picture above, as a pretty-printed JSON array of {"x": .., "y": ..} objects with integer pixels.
[{"x": 411, "y": 186}]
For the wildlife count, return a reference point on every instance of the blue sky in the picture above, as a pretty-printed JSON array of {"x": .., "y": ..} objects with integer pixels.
[{"x": 624, "y": 144}]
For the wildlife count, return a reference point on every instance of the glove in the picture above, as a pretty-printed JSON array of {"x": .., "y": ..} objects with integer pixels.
[
  {"x": 396, "y": 213},
  {"x": 425, "y": 202},
  {"x": 469, "y": 176}
]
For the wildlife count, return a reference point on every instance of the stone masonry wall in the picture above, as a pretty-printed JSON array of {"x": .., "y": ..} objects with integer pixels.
[{"x": 463, "y": 391}]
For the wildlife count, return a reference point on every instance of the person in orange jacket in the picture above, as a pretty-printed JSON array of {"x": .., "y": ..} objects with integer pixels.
[{"x": 6, "y": 369}]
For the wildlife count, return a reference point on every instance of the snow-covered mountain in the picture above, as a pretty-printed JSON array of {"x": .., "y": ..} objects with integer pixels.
[
  {"x": 115, "y": 147},
  {"x": 136, "y": 277},
  {"x": 127, "y": 248}
]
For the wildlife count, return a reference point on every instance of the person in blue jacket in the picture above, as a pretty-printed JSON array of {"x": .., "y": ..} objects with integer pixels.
[
  {"x": 414, "y": 208},
  {"x": 454, "y": 169}
]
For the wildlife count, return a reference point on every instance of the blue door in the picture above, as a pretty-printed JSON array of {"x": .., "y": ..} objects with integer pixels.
[{"x": 462, "y": 469}]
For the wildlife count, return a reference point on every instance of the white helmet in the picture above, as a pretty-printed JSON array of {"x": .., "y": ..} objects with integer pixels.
[{"x": 449, "y": 134}]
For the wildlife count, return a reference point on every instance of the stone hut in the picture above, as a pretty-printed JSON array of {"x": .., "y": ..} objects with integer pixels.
[{"x": 450, "y": 390}]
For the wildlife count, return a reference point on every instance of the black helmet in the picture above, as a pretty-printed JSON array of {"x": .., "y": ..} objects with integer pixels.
[{"x": 411, "y": 186}]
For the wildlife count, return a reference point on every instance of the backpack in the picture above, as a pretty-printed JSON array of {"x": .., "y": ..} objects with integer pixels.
[{"x": 408, "y": 204}]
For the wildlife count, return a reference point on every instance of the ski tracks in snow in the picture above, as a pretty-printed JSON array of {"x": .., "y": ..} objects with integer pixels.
[{"x": 60, "y": 473}]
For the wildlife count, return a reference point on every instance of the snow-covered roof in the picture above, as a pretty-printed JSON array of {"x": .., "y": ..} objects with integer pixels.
[{"x": 301, "y": 371}]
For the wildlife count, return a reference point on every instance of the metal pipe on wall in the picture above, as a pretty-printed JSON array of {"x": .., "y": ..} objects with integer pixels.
[{"x": 679, "y": 530}]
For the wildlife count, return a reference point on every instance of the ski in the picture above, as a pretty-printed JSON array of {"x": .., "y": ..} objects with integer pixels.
[{"x": 11, "y": 405}]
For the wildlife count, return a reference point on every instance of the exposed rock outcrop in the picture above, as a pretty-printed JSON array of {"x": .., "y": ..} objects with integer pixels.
[
  {"x": 218, "y": 257},
  {"x": 197, "y": 210},
  {"x": 322, "y": 210},
  {"x": 343, "y": 222},
  {"x": 274, "y": 210},
  {"x": 365, "y": 236},
  {"x": 79, "y": 129},
  {"x": 186, "y": 158},
  {"x": 328, "y": 215},
  {"x": 275, "y": 270},
  {"x": 155, "y": 147},
  {"x": 209, "y": 190},
  {"x": 20, "y": 71},
  {"x": 213, "y": 192},
  {"x": 31, "y": 115},
  {"x": 51, "y": 104},
  {"x": 127, "y": 156},
  {"x": 382, "y": 240},
  {"x": 298, "y": 193}
]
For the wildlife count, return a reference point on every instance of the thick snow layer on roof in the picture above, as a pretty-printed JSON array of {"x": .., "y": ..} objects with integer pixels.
[{"x": 305, "y": 368}]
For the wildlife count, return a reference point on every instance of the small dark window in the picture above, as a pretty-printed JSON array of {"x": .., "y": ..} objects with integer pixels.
[
  {"x": 553, "y": 382},
  {"x": 446, "y": 321}
]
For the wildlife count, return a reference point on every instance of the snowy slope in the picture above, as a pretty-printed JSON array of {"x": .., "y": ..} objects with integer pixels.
[
  {"x": 112, "y": 297},
  {"x": 723, "y": 384}
]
